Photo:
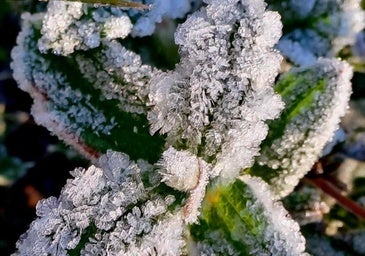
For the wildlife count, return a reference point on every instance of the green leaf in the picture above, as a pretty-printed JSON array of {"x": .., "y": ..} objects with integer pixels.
[
  {"x": 315, "y": 98},
  {"x": 89, "y": 105},
  {"x": 242, "y": 219}
]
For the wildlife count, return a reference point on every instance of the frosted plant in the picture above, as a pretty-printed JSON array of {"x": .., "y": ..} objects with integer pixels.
[
  {"x": 112, "y": 205},
  {"x": 193, "y": 137},
  {"x": 70, "y": 26},
  {"x": 215, "y": 102},
  {"x": 317, "y": 28},
  {"x": 247, "y": 199},
  {"x": 160, "y": 9},
  {"x": 315, "y": 97},
  {"x": 94, "y": 118}
]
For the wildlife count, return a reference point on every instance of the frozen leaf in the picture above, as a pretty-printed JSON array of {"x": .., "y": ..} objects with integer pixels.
[
  {"x": 102, "y": 214},
  {"x": 315, "y": 98},
  {"x": 74, "y": 25},
  {"x": 215, "y": 103},
  {"x": 243, "y": 219},
  {"x": 91, "y": 105}
]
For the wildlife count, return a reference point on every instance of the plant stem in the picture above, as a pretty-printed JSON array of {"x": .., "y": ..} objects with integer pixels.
[
  {"x": 119, "y": 3},
  {"x": 335, "y": 192}
]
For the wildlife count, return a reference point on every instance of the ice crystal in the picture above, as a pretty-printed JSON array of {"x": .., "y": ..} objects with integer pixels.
[
  {"x": 216, "y": 101},
  {"x": 186, "y": 172},
  {"x": 67, "y": 28},
  {"x": 121, "y": 75},
  {"x": 317, "y": 28},
  {"x": 219, "y": 246},
  {"x": 181, "y": 170},
  {"x": 70, "y": 26},
  {"x": 109, "y": 198}
]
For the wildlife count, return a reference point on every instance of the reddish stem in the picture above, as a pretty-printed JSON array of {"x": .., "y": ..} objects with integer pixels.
[{"x": 333, "y": 191}]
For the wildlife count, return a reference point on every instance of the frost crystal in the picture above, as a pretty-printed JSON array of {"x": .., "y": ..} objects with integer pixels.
[
  {"x": 120, "y": 75},
  {"x": 67, "y": 26},
  {"x": 220, "y": 245},
  {"x": 70, "y": 25},
  {"x": 181, "y": 170},
  {"x": 186, "y": 172},
  {"x": 216, "y": 101},
  {"x": 113, "y": 199}
]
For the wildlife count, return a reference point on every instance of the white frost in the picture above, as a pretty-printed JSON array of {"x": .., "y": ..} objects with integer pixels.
[
  {"x": 129, "y": 218},
  {"x": 220, "y": 94}
]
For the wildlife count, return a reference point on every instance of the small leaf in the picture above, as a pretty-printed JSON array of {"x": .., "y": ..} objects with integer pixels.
[
  {"x": 242, "y": 219},
  {"x": 91, "y": 116},
  {"x": 315, "y": 97}
]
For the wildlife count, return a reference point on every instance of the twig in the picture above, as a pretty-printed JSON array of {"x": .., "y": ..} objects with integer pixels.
[{"x": 335, "y": 192}]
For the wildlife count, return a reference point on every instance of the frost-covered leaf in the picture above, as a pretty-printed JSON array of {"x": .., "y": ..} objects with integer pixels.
[
  {"x": 92, "y": 100},
  {"x": 107, "y": 210},
  {"x": 315, "y": 97},
  {"x": 317, "y": 28},
  {"x": 70, "y": 26},
  {"x": 243, "y": 219},
  {"x": 215, "y": 103},
  {"x": 73, "y": 25}
]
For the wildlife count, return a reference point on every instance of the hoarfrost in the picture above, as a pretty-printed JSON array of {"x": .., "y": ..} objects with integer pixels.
[
  {"x": 218, "y": 97},
  {"x": 67, "y": 25},
  {"x": 111, "y": 198},
  {"x": 309, "y": 131},
  {"x": 282, "y": 234}
]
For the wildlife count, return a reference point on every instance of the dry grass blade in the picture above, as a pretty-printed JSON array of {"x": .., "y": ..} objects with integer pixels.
[{"x": 119, "y": 3}]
